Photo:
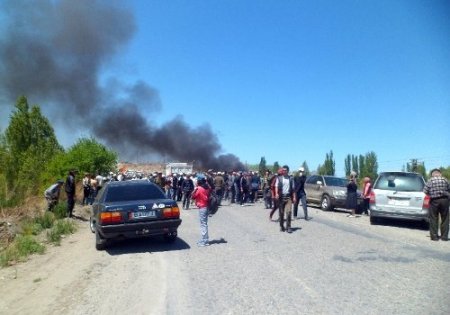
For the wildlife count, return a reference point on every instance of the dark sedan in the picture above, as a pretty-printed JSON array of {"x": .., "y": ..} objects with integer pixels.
[{"x": 133, "y": 209}]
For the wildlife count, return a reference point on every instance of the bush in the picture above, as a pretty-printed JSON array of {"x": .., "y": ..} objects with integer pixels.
[
  {"x": 62, "y": 227},
  {"x": 60, "y": 210},
  {"x": 46, "y": 221},
  {"x": 20, "y": 249}
]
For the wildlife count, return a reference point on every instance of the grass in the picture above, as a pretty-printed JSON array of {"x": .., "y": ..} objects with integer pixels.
[
  {"x": 62, "y": 227},
  {"x": 26, "y": 243},
  {"x": 22, "y": 247}
]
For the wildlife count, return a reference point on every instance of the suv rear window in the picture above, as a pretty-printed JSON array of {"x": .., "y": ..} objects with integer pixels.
[
  {"x": 133, "y": 192},
  {"x": 400, "y": 182}
]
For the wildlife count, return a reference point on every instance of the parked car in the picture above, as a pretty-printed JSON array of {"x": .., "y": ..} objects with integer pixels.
[
  {"x": 328, "y": 192},
  {"x": 133, "y": 209},
  {"x": 399, "y": 195}
]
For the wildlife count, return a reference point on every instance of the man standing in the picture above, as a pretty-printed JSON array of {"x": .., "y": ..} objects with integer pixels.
[
  {"x": 188, "y": 187},
  {"x": 219, "y": 184},
  {"x": 437, "y": 188},
  {"x": 284, "y": 191},
  {"x": 69, "y": 187},
  {"x": 299, "y": 189}
]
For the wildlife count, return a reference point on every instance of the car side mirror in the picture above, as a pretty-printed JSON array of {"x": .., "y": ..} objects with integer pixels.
[{"x": 319, "y": 183}]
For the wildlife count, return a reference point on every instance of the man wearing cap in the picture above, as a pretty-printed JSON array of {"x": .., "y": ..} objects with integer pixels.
[
  {"x": 52, "y": 194},
  {"x": 284, "y": 191},
  {"x": 437, "y": 188},
  {"x": 299, "y": 190}
]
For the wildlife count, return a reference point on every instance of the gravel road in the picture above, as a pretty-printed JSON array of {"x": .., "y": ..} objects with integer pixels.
[{"x": 328, "y": 265}]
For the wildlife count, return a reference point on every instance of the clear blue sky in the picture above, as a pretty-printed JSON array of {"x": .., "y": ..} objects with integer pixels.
[{"x": 292, "y": 80}]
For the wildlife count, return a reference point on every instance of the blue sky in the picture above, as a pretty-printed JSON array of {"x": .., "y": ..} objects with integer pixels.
[{"x": 292, "y": 80}]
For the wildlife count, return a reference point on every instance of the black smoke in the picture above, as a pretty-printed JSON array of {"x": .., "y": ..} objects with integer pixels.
[{"x": 56, "y": 51}]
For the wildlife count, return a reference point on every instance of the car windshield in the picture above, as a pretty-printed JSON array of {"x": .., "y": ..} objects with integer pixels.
[
  {"x": 400, "y": 182},
  {"x": 133, "y": 192},
  {"x": 336, "y": 181}
]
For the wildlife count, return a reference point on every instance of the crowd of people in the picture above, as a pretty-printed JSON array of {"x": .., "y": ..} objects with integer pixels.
[{"x": 280, "y": 192}]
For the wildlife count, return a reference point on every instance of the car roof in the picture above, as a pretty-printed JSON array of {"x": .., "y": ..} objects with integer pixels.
[{"x": 131, "y": 182}]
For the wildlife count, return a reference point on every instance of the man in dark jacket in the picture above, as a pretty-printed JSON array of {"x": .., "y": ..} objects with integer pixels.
[
  {"x": 299, "y": 190},
  {"x": 69, "y": 188}
]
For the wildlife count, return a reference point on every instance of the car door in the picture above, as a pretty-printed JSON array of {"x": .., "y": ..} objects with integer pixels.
[{"x": 312, "y": 189}]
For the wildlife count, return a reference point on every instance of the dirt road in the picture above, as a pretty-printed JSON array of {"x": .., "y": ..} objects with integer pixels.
[{"x": 329, "y": 265}]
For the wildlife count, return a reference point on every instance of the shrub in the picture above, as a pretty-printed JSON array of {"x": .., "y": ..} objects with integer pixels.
[
  {"x": 20, "y": 249},
  {"x": 62, "y": 227},
  {"x": 46, "y": 221},
  {"x": 60, "y": 210}
]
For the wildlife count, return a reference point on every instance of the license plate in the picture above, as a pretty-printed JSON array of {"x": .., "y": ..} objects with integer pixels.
[
  {"x": 142, "y": 214},
  {"x": 402, "y": 203}
]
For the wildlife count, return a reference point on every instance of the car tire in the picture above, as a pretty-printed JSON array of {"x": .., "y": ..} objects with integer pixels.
[
  {"x": 325, "y": 203},
  {"x": 92, "y": 224},
  {"x": 171, "y": 237},
  {"x": 100, "y": 243},
  {"x": 373, "y": 220}
]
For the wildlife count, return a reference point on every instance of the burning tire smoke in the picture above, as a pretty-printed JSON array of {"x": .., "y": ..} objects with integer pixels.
[{"x": 55, "y": 53}]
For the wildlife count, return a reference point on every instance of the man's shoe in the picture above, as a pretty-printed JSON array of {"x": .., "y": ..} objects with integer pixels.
[
  {"x": 434, "y": 239},
  {"x": 289, "y": 230},
  {"x": 282, "y": 229},
  {"x": 444, "y": 239}
]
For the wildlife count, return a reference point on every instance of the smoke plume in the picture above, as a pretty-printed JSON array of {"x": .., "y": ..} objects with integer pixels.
[{"x": 56, "y": 51}]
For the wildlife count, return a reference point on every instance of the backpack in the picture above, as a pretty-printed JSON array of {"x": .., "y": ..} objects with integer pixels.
[{"x": 213, "y": 203}]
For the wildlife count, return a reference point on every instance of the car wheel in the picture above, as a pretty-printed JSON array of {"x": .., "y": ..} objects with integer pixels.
[
  {"x": 92, "y": 224},
  {"x": 100, "y": 242},
  {"x": 171, "y": 237},
  {"x": 325, "y": 204},
  {"x": 373, "y": 220}
]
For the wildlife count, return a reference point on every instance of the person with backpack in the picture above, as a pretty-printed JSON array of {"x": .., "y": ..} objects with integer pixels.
[
  {"x": 201, "y": 195},
  {"x": 284, "y": 192}
]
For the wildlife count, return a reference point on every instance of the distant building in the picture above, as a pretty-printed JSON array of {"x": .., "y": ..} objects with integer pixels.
[{"x": 178, "y": 168}]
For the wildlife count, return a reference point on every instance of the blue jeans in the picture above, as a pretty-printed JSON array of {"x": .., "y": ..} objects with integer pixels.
[
  {"x": 203, "y": 215},
  {"x": 301, "y": 197}
]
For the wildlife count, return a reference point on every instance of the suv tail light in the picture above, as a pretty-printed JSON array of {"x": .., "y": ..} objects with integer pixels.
[
  {"x": 171, "y": 213},
  {"x": 426, "y": 202},
  {"x": 110, "y": 217},
  {"x": 372, "y": 198}
]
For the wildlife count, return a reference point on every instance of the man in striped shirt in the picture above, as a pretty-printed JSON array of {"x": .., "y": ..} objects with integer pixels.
[{"x": 437, "y": 188}]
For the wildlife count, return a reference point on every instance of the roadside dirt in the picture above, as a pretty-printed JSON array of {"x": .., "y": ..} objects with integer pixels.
[{"x": 24, "y": 287}]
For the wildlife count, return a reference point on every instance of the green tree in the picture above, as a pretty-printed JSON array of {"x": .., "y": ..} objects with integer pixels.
[
  {"x": 355, "y": 164},
  {"x": 348, "y": 165},
  {"x": 417, "y": 167},
  {"x": 30, "y": 142},
  {"x": 275, "y": 167},
  {"x": 262, "y": 166},
  {"x": 328, "y": 167},
  {"x": 371, "y": 165}
]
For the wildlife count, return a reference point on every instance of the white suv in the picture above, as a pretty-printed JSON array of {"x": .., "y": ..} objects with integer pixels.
[{"x": 399, "y": 195}]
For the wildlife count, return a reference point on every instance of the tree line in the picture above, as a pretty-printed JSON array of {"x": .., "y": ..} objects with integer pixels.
[
  {"x": 364, "y": 165},
  {"x": 31, "y": 157}
]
